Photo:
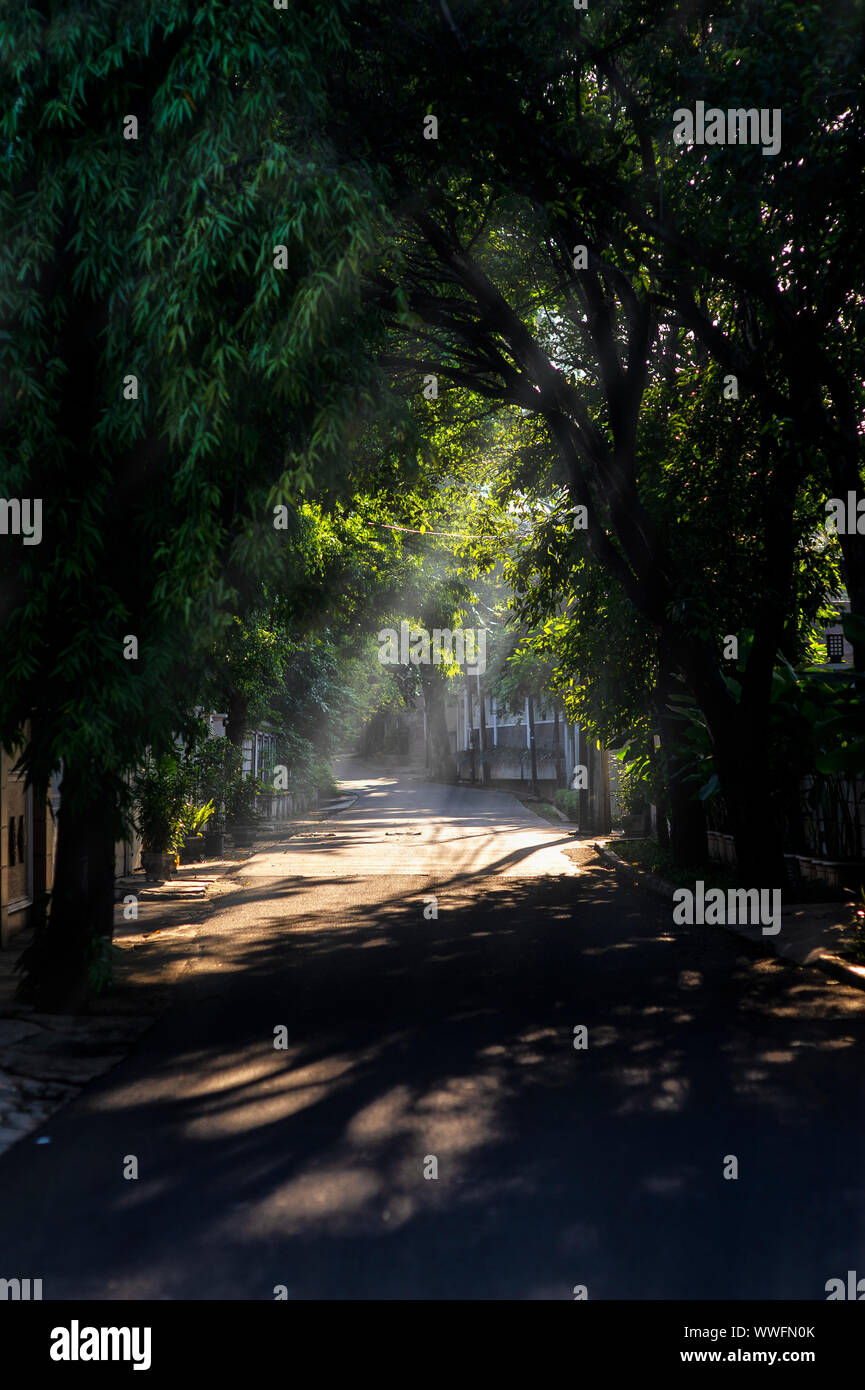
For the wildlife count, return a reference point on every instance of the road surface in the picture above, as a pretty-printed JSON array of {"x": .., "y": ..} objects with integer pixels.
[{"x": 429, "y": 1129}]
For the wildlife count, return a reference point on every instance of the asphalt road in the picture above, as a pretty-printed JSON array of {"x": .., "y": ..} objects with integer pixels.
[
  {"x": 403, "y": 825},
  {"x": 413, "y": 1037}
]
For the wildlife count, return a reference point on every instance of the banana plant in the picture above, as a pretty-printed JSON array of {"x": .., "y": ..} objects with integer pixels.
[{"x": 193, "y": 819}]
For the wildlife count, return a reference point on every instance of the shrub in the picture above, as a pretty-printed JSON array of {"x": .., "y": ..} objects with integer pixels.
[
  {"x": 322, "y": 778},
  {"x": 213, "y": 768},
  {"x": 159, "y": 791},
  {"x": 568, "y": 803},
  {"x": 241, "y": 799}
]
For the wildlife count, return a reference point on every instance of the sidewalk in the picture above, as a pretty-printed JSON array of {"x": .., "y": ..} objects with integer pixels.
[
  {"x": 47, "y": 1059},
  {"x": 811, "y": 933}
]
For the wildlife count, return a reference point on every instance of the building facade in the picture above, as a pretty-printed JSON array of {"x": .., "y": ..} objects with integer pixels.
[{"x": 28, "y": 835}]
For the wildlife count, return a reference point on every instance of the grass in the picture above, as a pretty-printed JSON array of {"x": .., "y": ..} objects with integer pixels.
[
  {"x": 648, "y": 855},
  {"x": 541, "y": 808},
  {"x": 853, "y": 946},
  {"x": 853, "y": 941}
]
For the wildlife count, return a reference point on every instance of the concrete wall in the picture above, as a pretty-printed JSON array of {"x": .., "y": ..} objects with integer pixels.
[{"x": 27, "y": 848}]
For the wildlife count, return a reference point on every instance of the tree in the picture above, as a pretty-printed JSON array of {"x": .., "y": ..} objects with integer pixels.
[
  {"x": 613, "y": 670},
  {"x": 557, "y": 250},
  {"x": 158, "y": 368}
]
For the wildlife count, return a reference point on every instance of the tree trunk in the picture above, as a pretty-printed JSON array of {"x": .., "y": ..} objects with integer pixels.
[
  {"x": 482, "y": 735},
  {"x": 759, "y": 846},
  {"x": 442, "y": 763},
  {"x": 740, "y": 754},
  {"x": 61, "y": 966},
  {"x": 532, "y": 748},
  {"x": 558, "y": 753},
  {"x": 584, "y": 760},
  {"x": 235, "y": 724},
  {"x": 593, "y": 774},
  {"x": 688, "y": 843},
  {"x": 658, "y": 797},
  {"x": 739, "y": 732}
]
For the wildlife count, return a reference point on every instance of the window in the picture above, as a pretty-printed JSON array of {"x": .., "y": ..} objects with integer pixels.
[
  {"x": 248, "y": 748},
  {"x": 16, "y": 852},
  {"x": 834, "y": 646},
  {"x": 19, "y": 844}
]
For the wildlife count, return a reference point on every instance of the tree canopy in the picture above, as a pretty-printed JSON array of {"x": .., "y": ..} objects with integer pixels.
[{"x": 277, "y": 282}]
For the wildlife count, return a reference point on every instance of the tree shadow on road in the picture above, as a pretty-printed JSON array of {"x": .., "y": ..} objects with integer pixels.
[{"x": 410, "y": 1038}]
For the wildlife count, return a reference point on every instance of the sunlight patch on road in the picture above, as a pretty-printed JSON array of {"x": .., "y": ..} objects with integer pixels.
[
  {"x": 331, "y": 1195},
  {"x": 378, "y": 1120},
  {"x": 373, "y": 1175},
  {"x": 674, "y": 1093},
  {"x": 690, "y": 979},
  {"x": 262, "y": 1092}
]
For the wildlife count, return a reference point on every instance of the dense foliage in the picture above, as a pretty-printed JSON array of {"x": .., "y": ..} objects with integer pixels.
[{"x": 278, "y": 282}]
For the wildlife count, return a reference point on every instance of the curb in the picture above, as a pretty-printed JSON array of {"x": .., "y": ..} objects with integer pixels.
[
  {"x": 830, "y": 964},
  {"x": 636, "y": 877},
  {"x": 343, "y": 803},
  {"x": 566, "y": 820},
  {"x": 164, "y": 890}
]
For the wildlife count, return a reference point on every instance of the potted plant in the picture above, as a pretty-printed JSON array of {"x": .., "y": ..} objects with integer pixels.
[
  {"x": 212, "y": 770},
  {"x": 214, "y": 841},
  {"x": 159, "y": 794},
  {"x": 191, "y": 827}
]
